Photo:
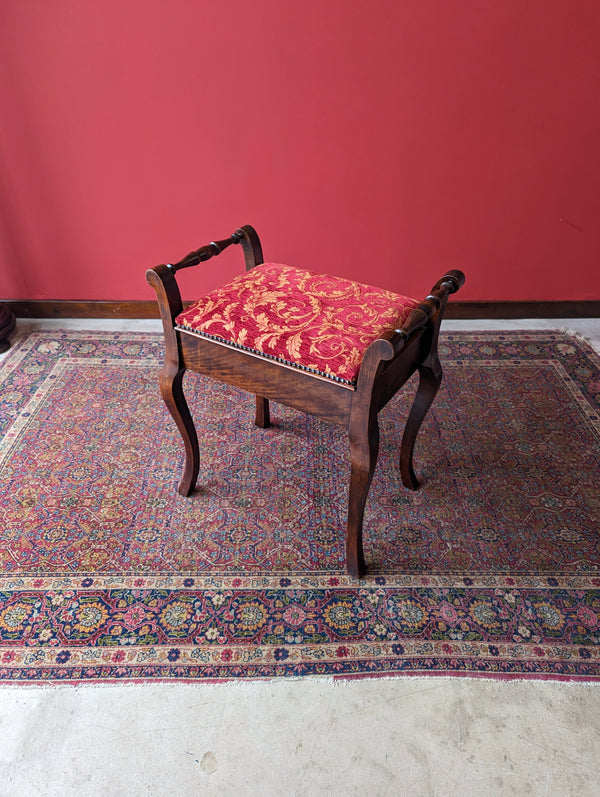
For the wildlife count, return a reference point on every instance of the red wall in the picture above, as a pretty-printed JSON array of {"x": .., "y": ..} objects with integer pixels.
[{"x": 383, "y": 140}]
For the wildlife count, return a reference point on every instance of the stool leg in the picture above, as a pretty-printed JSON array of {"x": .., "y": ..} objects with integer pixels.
[
  {"x": 172, "y": 392},
  {"x": 364, "y": 448},
  {"x": 430, "y": 377},
  {"x": 263, "y": 415}
]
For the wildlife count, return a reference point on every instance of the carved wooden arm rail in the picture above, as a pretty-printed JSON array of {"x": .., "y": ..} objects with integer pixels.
[{"x": 245, "y": 235}]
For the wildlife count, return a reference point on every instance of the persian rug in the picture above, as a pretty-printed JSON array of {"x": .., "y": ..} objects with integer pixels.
[{"x": 106, "y": 573}]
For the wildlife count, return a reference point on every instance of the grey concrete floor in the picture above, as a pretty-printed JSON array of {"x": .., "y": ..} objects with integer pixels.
[
  {"x": 405, "y": 736},
  {"x": 429, "y": 736}
]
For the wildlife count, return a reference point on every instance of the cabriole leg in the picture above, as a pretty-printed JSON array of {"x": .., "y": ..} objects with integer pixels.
[
  {"x": 364, "y": 448},
  {"x": 172, "y": 392},
  {"x": 430, "y": 377}
]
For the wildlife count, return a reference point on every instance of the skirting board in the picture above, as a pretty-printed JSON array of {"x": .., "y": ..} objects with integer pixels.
[{"x": 461, "y": 310}]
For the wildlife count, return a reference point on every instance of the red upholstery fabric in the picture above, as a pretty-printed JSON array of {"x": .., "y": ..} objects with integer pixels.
[{"x": 315, "y": 322}]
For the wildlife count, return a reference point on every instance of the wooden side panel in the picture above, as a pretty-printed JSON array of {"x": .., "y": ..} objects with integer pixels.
[{"x": 270, "y": 380}]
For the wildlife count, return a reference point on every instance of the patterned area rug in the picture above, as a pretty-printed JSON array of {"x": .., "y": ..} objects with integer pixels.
[{"x": 106, "y": 573}]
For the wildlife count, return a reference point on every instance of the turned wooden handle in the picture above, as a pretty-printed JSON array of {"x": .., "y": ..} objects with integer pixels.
[
  {"x": 419, "y": 317},
  {"x": 206, "y": 252},
  {"x": 245, "y": 235}
]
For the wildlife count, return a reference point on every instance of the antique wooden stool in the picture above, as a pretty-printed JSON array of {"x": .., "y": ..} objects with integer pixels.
[{"x": 328, "y": 346}]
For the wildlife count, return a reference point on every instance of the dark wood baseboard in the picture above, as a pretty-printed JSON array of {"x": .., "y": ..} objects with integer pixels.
[
  {"x": 459, "y": 310},
  {"x": 63, "y": 309},
  {"x": 502, "y": 310}
]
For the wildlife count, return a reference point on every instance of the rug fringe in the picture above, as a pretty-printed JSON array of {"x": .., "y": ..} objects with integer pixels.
[
  {"x": 437, "y": 680},
  {"x": 45, "y": 686},
  {"x": 574, "y": 333}
]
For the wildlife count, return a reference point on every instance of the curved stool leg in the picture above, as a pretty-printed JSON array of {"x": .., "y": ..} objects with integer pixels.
[
  {"x": 172, "y": 392},
  {"x": 263, "y": 415},
  {"x": 364, "y": 448},
  {"x": 430, "y": 377}
]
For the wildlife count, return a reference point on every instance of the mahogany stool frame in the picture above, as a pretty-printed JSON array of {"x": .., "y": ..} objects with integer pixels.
[{"x": 387, "y": 364}]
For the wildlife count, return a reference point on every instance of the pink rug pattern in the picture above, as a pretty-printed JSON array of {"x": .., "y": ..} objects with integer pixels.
[{"x": 106, "y": 573}]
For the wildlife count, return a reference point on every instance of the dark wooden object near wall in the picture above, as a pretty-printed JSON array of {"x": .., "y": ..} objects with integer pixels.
[
  {"x": 387, "y": 364},
  {"x": 7, "y": 325}
]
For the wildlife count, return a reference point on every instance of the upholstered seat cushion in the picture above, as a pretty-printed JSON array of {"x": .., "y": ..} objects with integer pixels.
[{"x": 315, "y": 322}]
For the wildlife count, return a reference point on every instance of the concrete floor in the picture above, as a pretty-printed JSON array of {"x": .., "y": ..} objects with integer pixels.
[
  {"x": 428, "y": 736},
  {"x": 406, "y": 736}
]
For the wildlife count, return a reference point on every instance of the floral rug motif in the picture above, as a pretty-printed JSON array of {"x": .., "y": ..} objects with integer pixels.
[{"x": 106, "y": 573}]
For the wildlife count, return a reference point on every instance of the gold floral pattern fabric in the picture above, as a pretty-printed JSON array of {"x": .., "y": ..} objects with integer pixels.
[{"x": 316, "y": 322}]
